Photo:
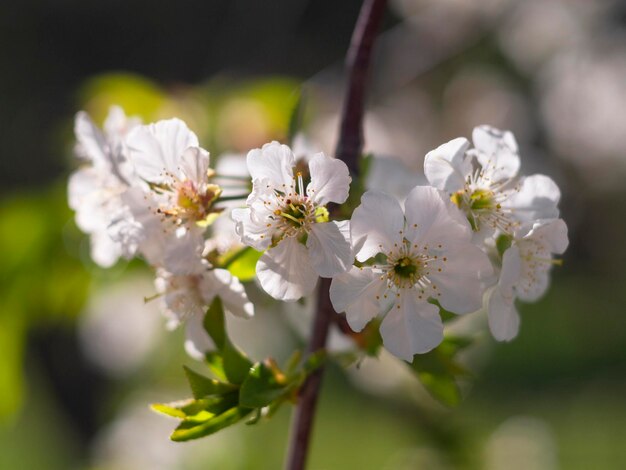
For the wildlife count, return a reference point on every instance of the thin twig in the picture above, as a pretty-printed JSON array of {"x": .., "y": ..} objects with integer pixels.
[{"x": 349, "y": 150}]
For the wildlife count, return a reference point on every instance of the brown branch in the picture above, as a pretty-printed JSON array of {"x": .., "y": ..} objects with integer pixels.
[{"x": 349, "y": 150}]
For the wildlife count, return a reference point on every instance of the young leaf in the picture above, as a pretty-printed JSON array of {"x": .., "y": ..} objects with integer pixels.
[
  {"x": 263, "y": 385},
  {"x": 214, "y": 323},
  {"x": 188, "y": 430},
  {"x": 243, "y": 263},
  {"x": 438, "y": 371},
  {"x": 236, "y": 363},
  {"x": 202, "y": 386}
]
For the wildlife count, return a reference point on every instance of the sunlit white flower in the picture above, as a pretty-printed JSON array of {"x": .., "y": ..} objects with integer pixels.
[
  {"x": 487, "y": 189},
  {"x": 167, "y": 156},
  {"x": 422, "y": 253},
  {"x": 94, "y": 190},
  {"x": 291, "y": 223},
  {"x": 525, "y": 273}
]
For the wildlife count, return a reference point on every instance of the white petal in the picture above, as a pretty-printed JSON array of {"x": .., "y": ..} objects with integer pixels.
[
  {"x": 251, "y": 228},
  {"x": 503, "y": 316},
  {"x": 447, "y": 166},
  {"x": 357, "y": 293},
  {"x": 197, "y": 341},
  {"x": 414, "y": 328},
  {"x": 552, "y": 234},
  {"x": 285, "y": 272},
  {"x": 432, "y": 219},
  {"x": 511, "y": 270},
  {"x": 231, "y": 291},
  {"x": 497, "y": 152},
  {"x": 91, "y": 140},
  {"x": 330, "y": 180},
  {"x": 376, "y": 224},
  {"x": 182, "y": 252},
  {"x": 104, "y": 251},
  {"x": 158, "y": 148},
  {"x": 194, "y": 164},
  {"x": 531, "y": 289},
  {"x": 537, "y": 198},
  {"x": 392, "y": 176},
  {"x": 274, "y": 162},
  {"x": 461, "y": 282},
  {"x": 329, "y": 250}
]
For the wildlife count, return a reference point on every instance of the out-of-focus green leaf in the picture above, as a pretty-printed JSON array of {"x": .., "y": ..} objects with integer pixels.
[
  {"x": 439, "y": 372},
  {"x": 188, "y": 430},
  {"x": 243, "y": 264},
  {"x": 264, "y": 384},
  {"x": 11, "y": 352},
  {"x": 202, "y": 386},
  {"x": 236, "y": 364},
  {"x": 503, "y": 243},
  {"x": 296, "y": 119},
  {"x": 136, "y": 94}
]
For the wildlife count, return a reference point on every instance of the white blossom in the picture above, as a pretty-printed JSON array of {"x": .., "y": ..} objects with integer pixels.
[
  {"x": 186, "y": 298},
  {"x": 291, "y": 222},
  {"x": 525, "y": 273},
  {"x": 421, "y": 253},
  {"x": 95, "y": 189},
  {"x": 483, "y": 182}
]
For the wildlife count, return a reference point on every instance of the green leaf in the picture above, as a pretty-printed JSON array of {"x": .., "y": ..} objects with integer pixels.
[
  {"x": 214, "y": 323},
  {"x": 215, "y": 362},
  {"x": 202, "y": 386},
  {"x": 503, "y": 243},
  {"x": 243, "y": 264},
  {"x": 188, "y": 430},
  {"x": 296, "y": 119},
  {"x": 198, "y": 410},
  {"x": 264, "y": 384},
  {"x": 439, "y": 372},
  {"x": 236, "y": 364}
]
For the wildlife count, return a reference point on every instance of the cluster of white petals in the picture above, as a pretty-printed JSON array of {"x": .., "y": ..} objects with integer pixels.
[
  {"x": 419, "y": 254},
  {"x": 147, "y": 190},
  {"x": 477, "y": 231},
  {"x": 483, "y": 183},
  {"x": 290, "y": 220}
]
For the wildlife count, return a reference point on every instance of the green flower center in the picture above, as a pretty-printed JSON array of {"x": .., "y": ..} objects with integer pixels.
[{"x": 406, "y": 268}]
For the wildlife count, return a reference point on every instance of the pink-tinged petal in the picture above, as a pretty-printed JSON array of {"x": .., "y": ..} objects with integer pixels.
[
  {"x": 274, "y": 162},
  {"x": 357, "y": 293},
  {"x": 182, "y": 251},
  {"x": 431, "y": 219},
  {"x": 497, "y": 153},
  {"x": 194, "y": 164},
  {"x": 411, "y": 327},
  {"x": 228, "y": 288},
  {"x": 503, "y": 317},
  {"x": 157, "y": 148},
  {"x": 461, "y": 281},
  {"x": 376, "y": 224},
  {"x": 330, "y": 180},
  {"x": 329, "y": 250},
  {"x": 448, "y": 166},
  {"x": 285, "y": 272},
  {"x": 91, "y": 141},
  {"x": 537, "y": 198}
]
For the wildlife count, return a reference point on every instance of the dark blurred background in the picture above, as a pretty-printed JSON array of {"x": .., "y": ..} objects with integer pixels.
[{"x": 81, "y": 355}]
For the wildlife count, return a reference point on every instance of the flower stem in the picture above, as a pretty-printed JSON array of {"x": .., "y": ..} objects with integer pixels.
[{"x": 349, "y": 150}]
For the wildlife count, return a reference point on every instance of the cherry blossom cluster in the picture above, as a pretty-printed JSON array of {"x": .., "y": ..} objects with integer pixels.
[
  {"x": 147, "y": 190},
  {"x": 477, "y": 237}
]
